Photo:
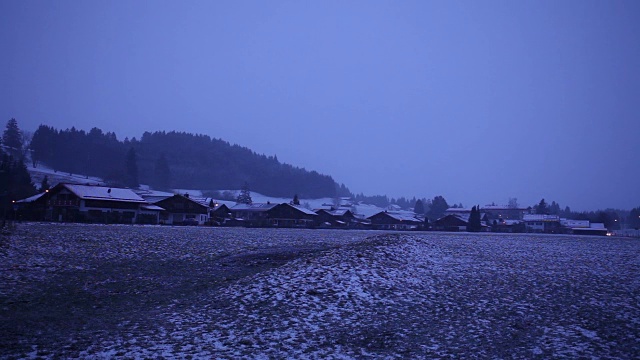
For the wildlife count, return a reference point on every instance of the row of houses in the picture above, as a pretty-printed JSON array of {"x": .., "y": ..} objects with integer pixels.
[
  {"x": 100, "y": 204},
  {"x": 529, "y": 223}
]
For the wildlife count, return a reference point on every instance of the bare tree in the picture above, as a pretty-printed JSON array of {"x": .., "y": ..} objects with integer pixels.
[{"x": 513, "y": 203}]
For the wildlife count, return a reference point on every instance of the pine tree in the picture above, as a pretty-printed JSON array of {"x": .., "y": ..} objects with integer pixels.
[
  {"x": 419, "y": 207},
  {"x": 475, "y": 223},
  {"x": 12, "y": 138},
  {"x": 44, "y": 185},
  {"x": 15, "y": 181},
  {"x": 245, "y": 195},
  {"x": 131, "y": 169},
  {"x": 542, "y": 207},
  {"x": 162, "y": 173},
  {"x": 295, "y": 201}
]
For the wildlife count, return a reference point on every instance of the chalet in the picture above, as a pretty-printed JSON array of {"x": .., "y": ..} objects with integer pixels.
[
  {"x": 273, "y": 215},
  {"x": 341, "y": 218},
  {"x": 451, "y": 222},
  {"x": 389, "y": 220},
  {"x": 219, "y": 214},
  {"x": 179, "y": 209},
  {"x": 102, "y": 204}
]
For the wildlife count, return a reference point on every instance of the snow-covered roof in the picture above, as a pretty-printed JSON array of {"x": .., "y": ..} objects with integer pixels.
[
  {"x": 87, "y": 192},
  {"x": 540, "y": 217},
  {"x": 252, "y": 207},
  {"x": 32, "y": 198},
  {"x": 402, "y": 216},
  {"x": 303, "y": 209},
  {"x": 457, "y": 210},
  {"x": 597, "y": 226},
  {"x": 155, "y": 198},
  {"x": 575, "y": 223},
  {"x": 152, "y": 208},
  {"x": 501, "y": 207},
  {"x": 334, "y": 212}
]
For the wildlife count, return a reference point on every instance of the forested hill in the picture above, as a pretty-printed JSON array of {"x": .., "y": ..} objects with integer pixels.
[{"x": 175, "y": 160}]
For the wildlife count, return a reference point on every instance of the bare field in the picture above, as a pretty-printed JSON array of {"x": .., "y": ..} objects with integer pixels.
[{"x": 97, "y": 291}]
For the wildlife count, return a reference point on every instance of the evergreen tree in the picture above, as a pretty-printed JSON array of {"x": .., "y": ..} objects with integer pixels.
[
  {"x": 15, "y": 182},
  {"x": 438, "y": 207},
  {"x": 162, "y": 173},
  {"x": 542, "y": 207},
  {"x": 419, "y": 207},
  {"x": 475, "y": 223},
  {"x": 44, "y": 185},
  {"x": 12, "y": 138},
  {"x": 295, "y": 201},
  {"x": 131, "y": 169},
  {"x": 245, "y": 195}
]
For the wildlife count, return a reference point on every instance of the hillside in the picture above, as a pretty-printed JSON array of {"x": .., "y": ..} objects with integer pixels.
[{"x": 175, "y": 160}]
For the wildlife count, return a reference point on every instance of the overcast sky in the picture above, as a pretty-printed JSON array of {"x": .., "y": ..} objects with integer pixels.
[{"x": 477, "y": 101}]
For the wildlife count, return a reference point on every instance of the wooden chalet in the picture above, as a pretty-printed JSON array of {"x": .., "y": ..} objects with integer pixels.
[
  {"x": 389, "y": 220},
  {"x": 452, "y": 222},
  {"x": 341, "y": 218},
  {"x": 98, "y": 204},
  {"x": 180, "y": 209},
  {"x": 272, "y": 215},
  {"x": 219, "y": 214}
]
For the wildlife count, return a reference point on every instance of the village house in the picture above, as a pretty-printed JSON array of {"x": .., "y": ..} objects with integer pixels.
[
  {"x": 389, "y": 220},
  {"x": 451, "y": 222},
  {"x": 583, "y": 227},
  {"x": 180, "y": 210},
  {"x": 492, "y": 212},
  {"x": 540, "y": 223},
  {"x": 219, "y": 214},
  {"x": 99, "y": 204},
  {"x": 272, "y": 215},
  {"x": 340, "y": 218}
]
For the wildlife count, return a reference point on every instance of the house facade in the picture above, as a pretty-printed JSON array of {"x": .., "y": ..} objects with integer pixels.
[
  {"x": 540, "y": 223},
  {"x": 451, "y": 222},
  {"x": 97, "y": 204},
  {"x": 181, "y": 209},
  {"x": 388, "y": 220},
  {"x": 272, "y": 215}
]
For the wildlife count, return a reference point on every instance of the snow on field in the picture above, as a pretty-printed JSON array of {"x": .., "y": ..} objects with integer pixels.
[
  {"x": 406, "y": 296},
  {"x": 38, "y": 173},
  {"x": 365, "y": 294}
]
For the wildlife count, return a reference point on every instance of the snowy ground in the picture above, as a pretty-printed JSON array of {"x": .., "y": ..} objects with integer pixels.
[{"x": 145, "y": 292}]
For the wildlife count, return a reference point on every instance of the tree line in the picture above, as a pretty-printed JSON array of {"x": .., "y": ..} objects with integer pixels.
[{"x": 167, "y": 160}]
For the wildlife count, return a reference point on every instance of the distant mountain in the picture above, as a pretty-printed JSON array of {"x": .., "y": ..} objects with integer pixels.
[{"x": 176, "y": 160}]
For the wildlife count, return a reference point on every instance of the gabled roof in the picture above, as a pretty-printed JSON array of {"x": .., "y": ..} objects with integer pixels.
[
  {"x": 338, "y": 212},
  {"x": 303, "y": 209},
  {"x": 152, "y": 208},
  {"x": 400, "y": 216},
  {"x": 88, "y": 192},
  {"x": 181, "y": 197},
  {"x": 152, "y": 199},
  {"x": 32, "y": 198}
]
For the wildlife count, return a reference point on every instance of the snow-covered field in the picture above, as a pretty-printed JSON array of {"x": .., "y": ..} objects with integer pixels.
[{"x": 276, "y": 293}]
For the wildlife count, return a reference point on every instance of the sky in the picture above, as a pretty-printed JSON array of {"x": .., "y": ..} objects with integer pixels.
[{"x": 477, "y": 101}]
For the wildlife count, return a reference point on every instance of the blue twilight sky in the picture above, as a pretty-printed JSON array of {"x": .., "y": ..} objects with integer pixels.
[{"x": 477, "y": 101}]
